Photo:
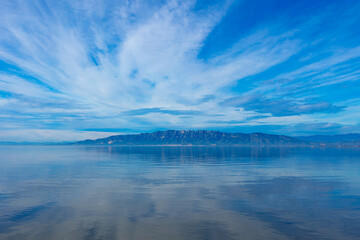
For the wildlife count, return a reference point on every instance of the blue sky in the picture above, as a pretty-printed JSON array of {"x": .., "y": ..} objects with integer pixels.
[{"x": 72, "y": 70}]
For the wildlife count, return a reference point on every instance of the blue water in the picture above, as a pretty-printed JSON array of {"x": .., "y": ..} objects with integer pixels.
[{"x": 69, "y": 192}]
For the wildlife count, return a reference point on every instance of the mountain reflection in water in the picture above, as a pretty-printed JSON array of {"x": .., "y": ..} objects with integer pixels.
[{"x": 69, "y": 192}]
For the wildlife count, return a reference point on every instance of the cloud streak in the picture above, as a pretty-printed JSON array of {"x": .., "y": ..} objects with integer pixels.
[
  {"x": 70, "y": 65},
  {"x": 282, "y": 107}
]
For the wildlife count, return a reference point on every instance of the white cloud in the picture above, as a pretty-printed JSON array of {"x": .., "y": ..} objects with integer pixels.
[
  {"x": 94, "y": 60},
  {"x": 47, "y": 135}
]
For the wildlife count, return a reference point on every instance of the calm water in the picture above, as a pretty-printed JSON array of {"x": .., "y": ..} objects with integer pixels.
[{"x": 179, "y": 193}]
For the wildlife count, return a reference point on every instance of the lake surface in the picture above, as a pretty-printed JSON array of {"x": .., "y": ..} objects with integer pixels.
[{"x": 69, "y": 192}]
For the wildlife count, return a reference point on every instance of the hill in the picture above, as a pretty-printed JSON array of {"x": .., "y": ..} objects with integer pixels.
[
  {"x": 351, "y": 139},
  {"x": 200, "y": 137}
]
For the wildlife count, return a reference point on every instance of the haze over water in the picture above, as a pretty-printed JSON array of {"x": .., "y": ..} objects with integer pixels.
[{"x": 68, "y": 192}]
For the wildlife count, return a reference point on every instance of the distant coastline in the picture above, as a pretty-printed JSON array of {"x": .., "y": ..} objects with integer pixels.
[
  {"x": 217, "y": 138},
  {"x": 205, "y": 138}
]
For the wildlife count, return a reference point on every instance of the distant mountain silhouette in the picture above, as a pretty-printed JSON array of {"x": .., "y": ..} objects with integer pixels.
[
  {"x": 200, "y": 137},
  {"x": 340, "y": 139}
]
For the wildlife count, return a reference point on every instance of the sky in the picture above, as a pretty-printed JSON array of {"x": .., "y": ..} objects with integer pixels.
[{"x": 72, "y": 70}]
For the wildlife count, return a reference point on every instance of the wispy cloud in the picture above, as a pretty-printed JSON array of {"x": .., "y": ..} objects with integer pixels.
[
  {"x": 281, "y": 106},
  {"x": 68, "y": 65},
  {"x": 144, "y": 111}
]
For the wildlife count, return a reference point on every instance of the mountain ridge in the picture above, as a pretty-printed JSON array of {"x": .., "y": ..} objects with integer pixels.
[
  {"x": 347, "y": 139},
  {"x": 196, "y": 137}
]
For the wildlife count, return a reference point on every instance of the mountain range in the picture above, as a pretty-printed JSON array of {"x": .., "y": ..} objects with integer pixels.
[
  {"x": 204, "y": 137},
  {"x": 351, "y": 139}
]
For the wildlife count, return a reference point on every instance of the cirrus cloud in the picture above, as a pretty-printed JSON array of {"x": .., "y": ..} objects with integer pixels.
[{"x": 148, "y": 65}]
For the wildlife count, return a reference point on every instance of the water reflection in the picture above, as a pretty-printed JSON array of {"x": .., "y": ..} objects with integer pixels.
[{"x": 179, "y": 193}]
